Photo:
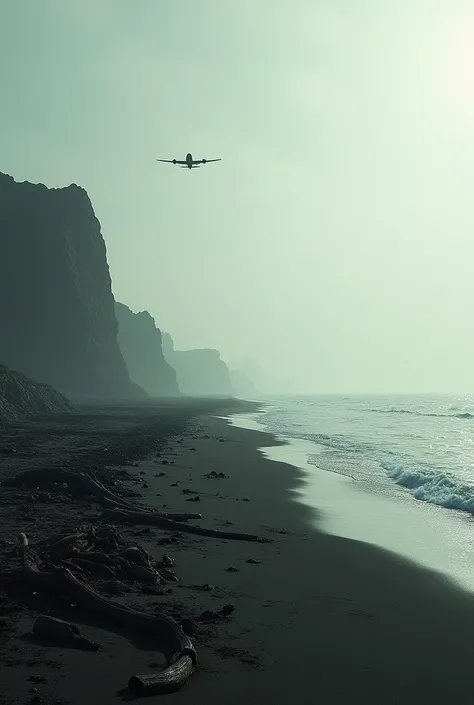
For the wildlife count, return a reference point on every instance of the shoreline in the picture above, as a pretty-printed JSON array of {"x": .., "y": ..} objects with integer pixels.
[
  {"x": 321, "y": 619},
  {"x": 386, "y": 516}
]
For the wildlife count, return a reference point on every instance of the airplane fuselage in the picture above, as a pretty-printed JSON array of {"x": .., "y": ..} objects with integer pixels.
[{"x": 189, "y": 162}]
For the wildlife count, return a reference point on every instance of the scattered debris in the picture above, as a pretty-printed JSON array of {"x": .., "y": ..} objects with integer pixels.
[{"x": 205, "y": 588}]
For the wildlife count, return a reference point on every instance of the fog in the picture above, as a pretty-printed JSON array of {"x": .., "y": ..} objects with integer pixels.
[{"x": 334, "y": 241}]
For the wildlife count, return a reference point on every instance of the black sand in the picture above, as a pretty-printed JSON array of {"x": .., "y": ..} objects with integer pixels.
[{"x": 319, "y": 620}]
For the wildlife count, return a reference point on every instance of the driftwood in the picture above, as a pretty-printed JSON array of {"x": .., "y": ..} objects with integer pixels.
[
  {"x": 154, "y": 684},
  {"x": 141, "y": 573},
  {"x": 182, "y": 658},
  {"x": 81, "y": 483},
  {"x": 162, "y": 523},
  {"x": 60, "y": 632},
  {"x": 94, "y": 556},
  {"x": 64, "y": 546},
  {"x": 99, "y": 569}
]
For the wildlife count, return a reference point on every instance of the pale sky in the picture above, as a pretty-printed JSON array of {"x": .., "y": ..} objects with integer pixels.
[{"x": 335, "y": 241}]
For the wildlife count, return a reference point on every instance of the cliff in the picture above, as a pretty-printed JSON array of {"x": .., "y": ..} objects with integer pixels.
[
  {"x": 21, "y": 396},
  {"x": 57, "y": 318},
  {"x": 199, "y": 373},
  {"x": 140, "y": 342},
  {"x": 243, "y": 387}
]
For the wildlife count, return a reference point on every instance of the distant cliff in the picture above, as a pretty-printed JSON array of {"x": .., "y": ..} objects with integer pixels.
[
  {"x": 57, "y": 318},
  {"x": 242, "y": 385},
  {"x": 21, "y": 396},
  {"x": 140, "y": 342},
  {"x": 199, "y": 372},
  {"x": 263, "y": 382}
]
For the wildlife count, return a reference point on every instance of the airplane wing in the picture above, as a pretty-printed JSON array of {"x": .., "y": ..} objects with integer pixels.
[
  {"x": 170, "y": 161},
  {"x": 205, "y": 161}
]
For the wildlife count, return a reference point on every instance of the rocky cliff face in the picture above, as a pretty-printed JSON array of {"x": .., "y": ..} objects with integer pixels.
[
  {"x": 57, "y": 318},
  {"x": 199, "y": 372},
  {"x": 140, "y": 342},
  {"x": 21, "y": 396}
]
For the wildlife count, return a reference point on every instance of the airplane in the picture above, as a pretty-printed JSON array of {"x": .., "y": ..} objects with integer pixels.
[{"x": 189, "y": 162}]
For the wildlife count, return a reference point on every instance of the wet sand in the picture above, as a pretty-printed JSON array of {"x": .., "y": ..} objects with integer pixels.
[{"x": 318, "y": 619}]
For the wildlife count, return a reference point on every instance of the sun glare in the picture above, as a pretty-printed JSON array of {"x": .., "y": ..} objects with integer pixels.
[{"x": 461, "y": 65}]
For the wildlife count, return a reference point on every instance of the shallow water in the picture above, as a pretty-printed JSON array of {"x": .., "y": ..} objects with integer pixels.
[{"x": 393, "y": 471}]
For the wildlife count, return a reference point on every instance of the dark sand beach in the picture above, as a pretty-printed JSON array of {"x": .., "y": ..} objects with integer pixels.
[{"x": 317, "y": 619}]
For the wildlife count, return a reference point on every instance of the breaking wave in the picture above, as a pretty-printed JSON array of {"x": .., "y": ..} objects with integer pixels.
[
  {"x": 438, "y": 488},
  {"x": 462, "y": 415}
]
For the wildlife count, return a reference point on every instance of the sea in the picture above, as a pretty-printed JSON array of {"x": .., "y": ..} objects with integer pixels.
[{"x": 395, "y": 471}]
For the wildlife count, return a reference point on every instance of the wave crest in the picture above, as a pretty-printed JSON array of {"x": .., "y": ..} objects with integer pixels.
[
  {"x": 392, "y": 410},
  {"x": 438, "y": 488}
]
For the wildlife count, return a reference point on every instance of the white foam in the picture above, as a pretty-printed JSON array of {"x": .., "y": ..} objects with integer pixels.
[
  {"x": 439, "y": 488},
  {"x": 436, "y": 538}
]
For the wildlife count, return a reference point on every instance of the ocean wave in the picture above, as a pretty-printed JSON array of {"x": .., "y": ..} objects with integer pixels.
[
  {"x": 391, "y": 410},
  {"x": 426, "y": 485}
]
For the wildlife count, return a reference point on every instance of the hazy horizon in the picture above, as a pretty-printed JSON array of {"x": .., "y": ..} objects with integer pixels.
[{"x": 334, "y": 241}]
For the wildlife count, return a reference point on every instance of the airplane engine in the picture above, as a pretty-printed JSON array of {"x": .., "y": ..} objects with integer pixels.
[
  {"x": 204, "y": 161},
  {"x": 174, "y": 161}
]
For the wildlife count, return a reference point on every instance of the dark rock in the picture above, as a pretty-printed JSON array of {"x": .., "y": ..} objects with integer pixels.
[{"x": 20, "y": 396}]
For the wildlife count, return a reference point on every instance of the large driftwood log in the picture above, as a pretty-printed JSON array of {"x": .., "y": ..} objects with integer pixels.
[
  {"x": 60, "y": 632},
  {"x": 154, "y": 684},
  {"x": 175, "y": 516},
  {"x": 99, "y": 569},
  {"x": 163, "y": 523},
  {"x": 182, "y": 656}
]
